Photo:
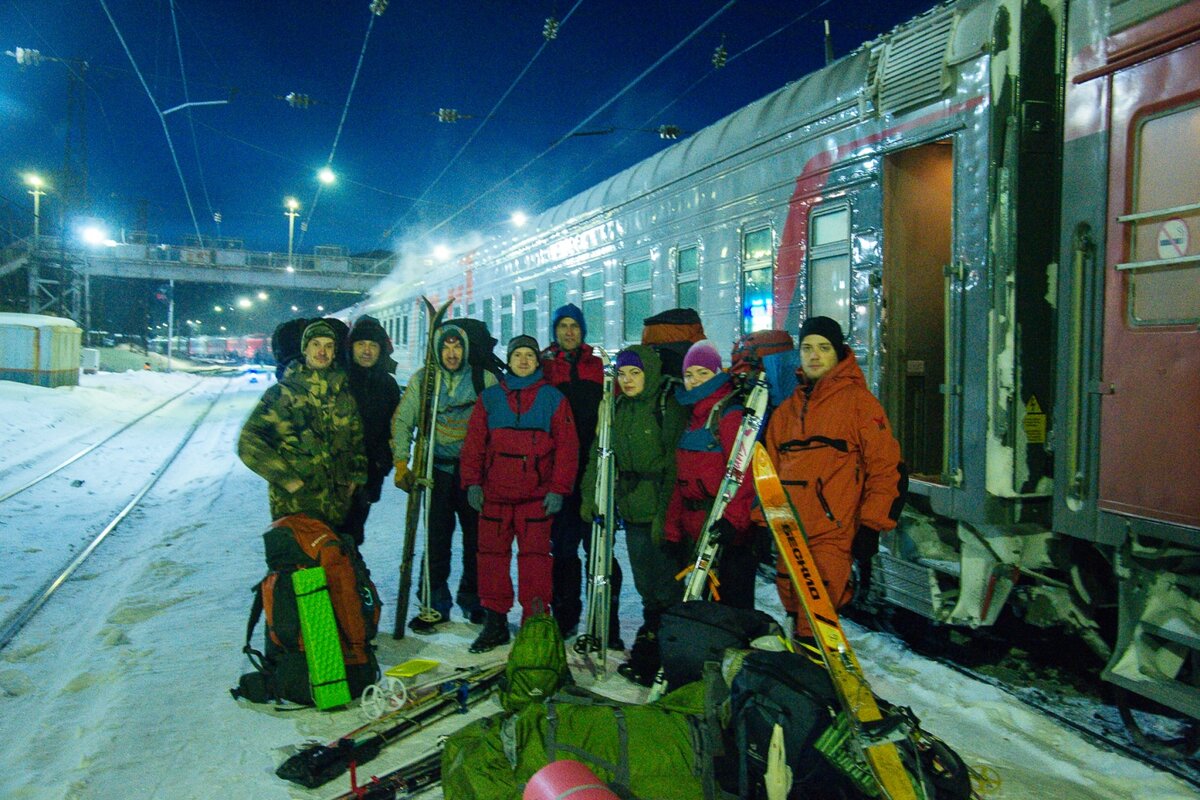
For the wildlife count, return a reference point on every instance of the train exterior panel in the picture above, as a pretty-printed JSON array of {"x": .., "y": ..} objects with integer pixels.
[
  {"x": 1129, "y": 379},
  {"x": 915, "y": 191}
]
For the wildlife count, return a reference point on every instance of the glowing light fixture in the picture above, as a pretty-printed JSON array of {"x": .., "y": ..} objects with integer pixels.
[
  {"x": 519, "y": 218},
  {"x": 326, "y": 176}
]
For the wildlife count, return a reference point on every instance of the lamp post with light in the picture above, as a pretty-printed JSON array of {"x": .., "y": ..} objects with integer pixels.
[
  {"x": 35, "y": 184},
  {"x": 292, "y": 212}
]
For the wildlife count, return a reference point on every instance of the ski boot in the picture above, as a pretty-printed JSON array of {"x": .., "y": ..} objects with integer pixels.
[{"x": 494, "y": 633}]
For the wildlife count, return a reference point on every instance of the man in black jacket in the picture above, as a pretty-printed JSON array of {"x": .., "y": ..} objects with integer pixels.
[{"x": 370, "y": 367}]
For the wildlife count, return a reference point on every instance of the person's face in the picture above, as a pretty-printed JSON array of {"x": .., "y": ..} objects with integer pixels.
[
  {"x": 318, "y": 353},
  {"x": 632, "y": 381},
  {"x": 452, "y": 354},
  {"x": 523, "y": 362},
  {"x": 366, "y": 353},
  {"x": 568, "y": 333},
  {"x": 817, "y": 356},
  {"x": 694, "y": 376}
]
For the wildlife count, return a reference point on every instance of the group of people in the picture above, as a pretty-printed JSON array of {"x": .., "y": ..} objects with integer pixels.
[{"x": 515, "y": 459}]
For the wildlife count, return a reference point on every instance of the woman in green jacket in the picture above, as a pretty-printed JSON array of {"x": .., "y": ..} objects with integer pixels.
[{"x": 647, "y": 423}]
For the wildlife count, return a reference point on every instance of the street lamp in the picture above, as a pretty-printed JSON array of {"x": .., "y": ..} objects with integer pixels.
[
  {"x": 36, "y": 183},
  {"x": 291, "y": 214}
]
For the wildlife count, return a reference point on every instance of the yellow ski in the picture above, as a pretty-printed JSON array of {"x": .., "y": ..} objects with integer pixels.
[{"x": 851, "y": 686}]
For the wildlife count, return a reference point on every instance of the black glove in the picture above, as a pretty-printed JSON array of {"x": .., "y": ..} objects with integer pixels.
[
  {"x": 724, "y": 532},
  {"x": 865, "y": 544}
]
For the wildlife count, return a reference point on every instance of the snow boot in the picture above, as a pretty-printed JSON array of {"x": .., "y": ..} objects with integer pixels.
[
  {"x": 494, "y": 633},
  {"x": 644, "y": 658}
]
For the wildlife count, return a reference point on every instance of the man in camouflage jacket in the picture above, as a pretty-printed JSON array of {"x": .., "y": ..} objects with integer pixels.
[{"x": 305, "y": 436}]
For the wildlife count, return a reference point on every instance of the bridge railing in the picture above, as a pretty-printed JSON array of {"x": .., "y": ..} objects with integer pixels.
[{"x": 196, "y": 255}]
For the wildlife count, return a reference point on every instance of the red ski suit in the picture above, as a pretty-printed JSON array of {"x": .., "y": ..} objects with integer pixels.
[
  {"x": 520, "y": 446},
  {"x": 839, "y": 464},
  {"x": 700, "y": 462}
]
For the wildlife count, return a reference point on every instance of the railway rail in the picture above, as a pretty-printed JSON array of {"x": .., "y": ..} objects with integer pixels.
[{"x": 17, "y": 620}]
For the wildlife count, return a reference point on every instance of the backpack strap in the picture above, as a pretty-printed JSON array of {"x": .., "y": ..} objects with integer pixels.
[
  {"x": 620, "y": 770},
  {"x": 257, "y": 659}
]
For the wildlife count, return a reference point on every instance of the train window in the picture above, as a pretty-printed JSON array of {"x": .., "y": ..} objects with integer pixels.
[
  {"x": 558, "y": 295},
  {"x": 757, "y": 280},
  {"x": 471, "y": 310},
  {"x": 404, "y": 331},
  {"x": 829, "y": 265},
  {"x": 529, "y": 312},
  {"x": 506, "y": 317},
  {"x": 638, "y": 302},
  {"x": 687, "y": 276},
  {"x": 487, "y": 316},
  {"x": 593, "y": 306},
  {"x": 1164, "y": 277}
]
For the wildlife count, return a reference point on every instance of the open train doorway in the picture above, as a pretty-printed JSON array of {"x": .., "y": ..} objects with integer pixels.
[{"x": 918, "y": 196}]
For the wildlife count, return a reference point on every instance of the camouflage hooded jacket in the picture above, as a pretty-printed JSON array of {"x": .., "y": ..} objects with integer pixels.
[{"x": 307, "y": 427}]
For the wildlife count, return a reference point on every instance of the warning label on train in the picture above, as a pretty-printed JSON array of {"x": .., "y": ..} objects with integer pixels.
[{"x": 1035, "y": 422}]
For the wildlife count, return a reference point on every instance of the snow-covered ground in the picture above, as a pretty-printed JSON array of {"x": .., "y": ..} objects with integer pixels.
[{"x": 119, "y": 686}]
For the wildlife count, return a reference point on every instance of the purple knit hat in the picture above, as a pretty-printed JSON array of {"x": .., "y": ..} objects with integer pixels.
[
  {"x": 628, "y": 358},
  {"x": 703, "y": 354}
]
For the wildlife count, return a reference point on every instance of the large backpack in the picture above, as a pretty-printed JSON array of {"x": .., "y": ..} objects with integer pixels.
[
  {"x": 537, "y": 664},
  {"x": 750, "y": 349},
  {"x": 795, "y": 692},
  {"x": 697, "y": 631},
  {"x": 671, "y": 333},
  {"x": 481, "y": 350},
  {"x": 295, "y": 543}
]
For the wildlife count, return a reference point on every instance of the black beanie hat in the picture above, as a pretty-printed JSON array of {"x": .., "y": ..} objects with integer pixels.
[{"x": 824, "y": 326}]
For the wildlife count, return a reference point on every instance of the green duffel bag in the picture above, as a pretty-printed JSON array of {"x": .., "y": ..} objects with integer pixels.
[{"x": 660, "y": 751}]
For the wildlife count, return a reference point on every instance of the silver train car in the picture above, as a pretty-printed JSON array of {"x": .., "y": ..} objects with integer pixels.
[{"x": 999, "y": 202}]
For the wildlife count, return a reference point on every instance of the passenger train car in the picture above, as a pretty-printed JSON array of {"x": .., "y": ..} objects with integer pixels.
[{"x": 1000, "y": 202}]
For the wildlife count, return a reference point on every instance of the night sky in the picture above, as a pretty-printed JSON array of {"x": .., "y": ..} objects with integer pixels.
[{"x": 243, "y": 157}]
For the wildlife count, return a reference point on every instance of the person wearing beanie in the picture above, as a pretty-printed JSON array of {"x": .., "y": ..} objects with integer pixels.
[
  {"x": 518, "y": 463},
  {"x": 285, "y": 343},
  {"x": 572, "y": 367},
  {"x": 305, "y": 436},
  {"x": 833, "y": 447},
  {"x": 701, "y": 457},
  {"x": 646, "y": 424},
  {"x": 369, "y": 369},
  {"x": 448, "y": 498},
  {"x": 340, "y": 332}
]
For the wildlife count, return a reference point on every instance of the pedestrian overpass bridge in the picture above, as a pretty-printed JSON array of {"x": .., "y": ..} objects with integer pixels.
[{"x": 218, "y": 261}]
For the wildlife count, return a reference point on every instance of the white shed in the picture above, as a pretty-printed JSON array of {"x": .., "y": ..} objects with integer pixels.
[{"x": 40, "y": 350}]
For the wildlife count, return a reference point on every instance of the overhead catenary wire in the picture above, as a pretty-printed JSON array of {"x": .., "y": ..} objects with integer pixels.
[
  {"x": 188, "y": 100},
  {"x": 579, "y": 126},
  {"x": 487, "y": 118},
  {"x": 691, "y": 88},
  {"x": 341, "y": 124},
  {"x": 162, "y": 119}
]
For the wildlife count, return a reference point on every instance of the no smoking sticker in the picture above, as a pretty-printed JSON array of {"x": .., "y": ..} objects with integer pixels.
[{"x": 1172, "y": 238}]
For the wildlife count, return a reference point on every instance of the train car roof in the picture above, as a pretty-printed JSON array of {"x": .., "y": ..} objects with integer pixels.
[{"x": 802, "y": 101}]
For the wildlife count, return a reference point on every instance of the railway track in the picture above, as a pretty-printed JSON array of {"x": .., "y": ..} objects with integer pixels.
[
  {"x": 1051, "y": 682},
  {"x": 16, "y": 620}
]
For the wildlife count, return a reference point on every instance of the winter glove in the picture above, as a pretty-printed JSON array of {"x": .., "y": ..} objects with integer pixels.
[
  {"x": 552, "y": 503},
  {"x": 724, "y": 532},
  {"x": 475, "y": 498},
  {"x": 404, "y": 479},
  {"x": 865, "y": 544}
]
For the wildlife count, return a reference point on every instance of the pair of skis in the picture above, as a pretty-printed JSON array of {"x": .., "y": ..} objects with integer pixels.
[
  {"x": 594, "y": 638},
  {"x": 699, "y": 574},
  {"x": 422, "y": 460},
  {"x": 874, "y": 736},
  {"x": 317, "y": 765}
]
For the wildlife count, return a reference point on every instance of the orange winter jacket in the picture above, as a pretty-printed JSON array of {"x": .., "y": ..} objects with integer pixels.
[{"x": 836, "y": 455}]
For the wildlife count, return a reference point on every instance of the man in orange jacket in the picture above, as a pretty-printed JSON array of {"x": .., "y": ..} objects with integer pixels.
[{"x": 837, "y": 458}]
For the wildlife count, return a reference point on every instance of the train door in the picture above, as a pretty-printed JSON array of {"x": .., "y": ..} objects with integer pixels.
[
  {"x": 917, "y": 201},
  {"x": 1150, "y": 386}
]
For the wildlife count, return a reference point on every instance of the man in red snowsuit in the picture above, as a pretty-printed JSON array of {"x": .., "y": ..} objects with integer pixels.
[
  {"x": 518, "y": 462},
  {"x": 837, "y": 458}
]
